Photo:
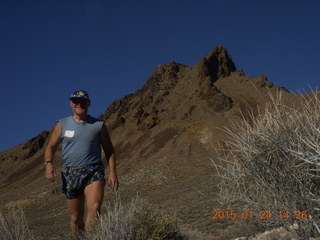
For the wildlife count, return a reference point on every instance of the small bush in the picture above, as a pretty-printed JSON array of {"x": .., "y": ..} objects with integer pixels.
[
  {"x": 139, "y": 221},
  {"x": 13, "y": 226},
  {"x": 272, "y": 163}
]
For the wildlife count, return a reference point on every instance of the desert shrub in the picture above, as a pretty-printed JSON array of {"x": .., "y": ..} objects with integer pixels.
[
  {"x": 272, "y": 163},
  {"x": 153, "y": 223},
  {"x": 13, "y": 225},
  {"x": 139, "y": 221}
]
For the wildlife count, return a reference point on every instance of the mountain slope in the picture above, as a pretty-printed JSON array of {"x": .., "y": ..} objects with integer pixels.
[{"x": 164, "y": 136}]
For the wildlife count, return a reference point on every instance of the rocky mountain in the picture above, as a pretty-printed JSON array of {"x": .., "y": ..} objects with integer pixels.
[{"x": 165, "y": 136}]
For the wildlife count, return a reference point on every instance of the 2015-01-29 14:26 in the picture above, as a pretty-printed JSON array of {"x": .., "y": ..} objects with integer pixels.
[{"x": 263, "y": 214}]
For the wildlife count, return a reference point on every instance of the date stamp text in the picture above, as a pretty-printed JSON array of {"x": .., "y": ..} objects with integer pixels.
[{"x": 263, "y": 214}]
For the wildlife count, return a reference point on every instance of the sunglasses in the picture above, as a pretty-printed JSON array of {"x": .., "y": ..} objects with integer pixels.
[{"x": 79, "y": 101}]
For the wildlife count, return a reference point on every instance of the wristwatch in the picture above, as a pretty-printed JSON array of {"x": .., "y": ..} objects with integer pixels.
[{"x": 47, "y": 162}]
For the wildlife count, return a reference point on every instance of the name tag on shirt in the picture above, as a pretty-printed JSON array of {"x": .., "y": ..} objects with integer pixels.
[{"x": 69, "y": 133}]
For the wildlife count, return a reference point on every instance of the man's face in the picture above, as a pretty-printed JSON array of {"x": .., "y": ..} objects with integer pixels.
[{"x": 79, "y": 105}]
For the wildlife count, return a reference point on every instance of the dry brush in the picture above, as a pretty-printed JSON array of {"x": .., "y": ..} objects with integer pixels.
[{"x": 272, "y": 163}]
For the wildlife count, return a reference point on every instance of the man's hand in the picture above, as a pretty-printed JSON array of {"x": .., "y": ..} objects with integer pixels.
[
  {"x": 50, "y": 173},
  {"x": 113, "y": 181},
  {"x": 110, "y": 156}
]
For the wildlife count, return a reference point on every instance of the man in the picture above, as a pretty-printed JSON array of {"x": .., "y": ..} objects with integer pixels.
[{"x": 82, "y": 172}]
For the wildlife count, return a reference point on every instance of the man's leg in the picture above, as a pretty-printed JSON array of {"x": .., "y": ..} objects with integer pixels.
[
  {"x": 76, "y": 209},
  {"x": 94, "y": 196}
]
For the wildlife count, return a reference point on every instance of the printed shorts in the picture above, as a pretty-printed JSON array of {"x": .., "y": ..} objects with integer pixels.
[{"x": 75, "y": 179}]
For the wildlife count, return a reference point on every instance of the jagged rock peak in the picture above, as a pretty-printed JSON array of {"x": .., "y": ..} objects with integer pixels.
[
  {"x": 146, "y": 105},
  {"x": 218, "y": 63},
  {"x": 164, "y": 78}
]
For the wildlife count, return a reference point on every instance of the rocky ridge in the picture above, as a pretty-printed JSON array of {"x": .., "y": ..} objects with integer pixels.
[{"x": 146, "y": 105}]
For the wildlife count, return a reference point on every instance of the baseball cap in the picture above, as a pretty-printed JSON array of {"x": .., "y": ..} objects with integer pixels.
[{"x": 80, "y": 94}]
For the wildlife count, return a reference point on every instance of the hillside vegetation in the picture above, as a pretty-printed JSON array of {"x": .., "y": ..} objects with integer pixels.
[{"x": 270, "y": 166}]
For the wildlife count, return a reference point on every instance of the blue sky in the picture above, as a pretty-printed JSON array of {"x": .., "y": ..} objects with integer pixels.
[{"x": 50, "y": 48}]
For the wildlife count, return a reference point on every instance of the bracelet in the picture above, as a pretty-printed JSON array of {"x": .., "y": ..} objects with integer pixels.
[{"x": 47, "y": 162}]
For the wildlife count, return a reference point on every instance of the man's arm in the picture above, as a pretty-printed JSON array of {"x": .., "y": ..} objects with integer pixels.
[
  {"x": 50, "y": 152},
  {"x": 110, "y": 156}
]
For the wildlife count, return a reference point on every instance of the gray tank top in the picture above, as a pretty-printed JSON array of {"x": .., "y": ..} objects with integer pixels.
[{"x": 80, "y": 141}]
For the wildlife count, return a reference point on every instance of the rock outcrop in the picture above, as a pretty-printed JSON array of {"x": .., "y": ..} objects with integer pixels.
[{"x": 171, "y": 85}]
